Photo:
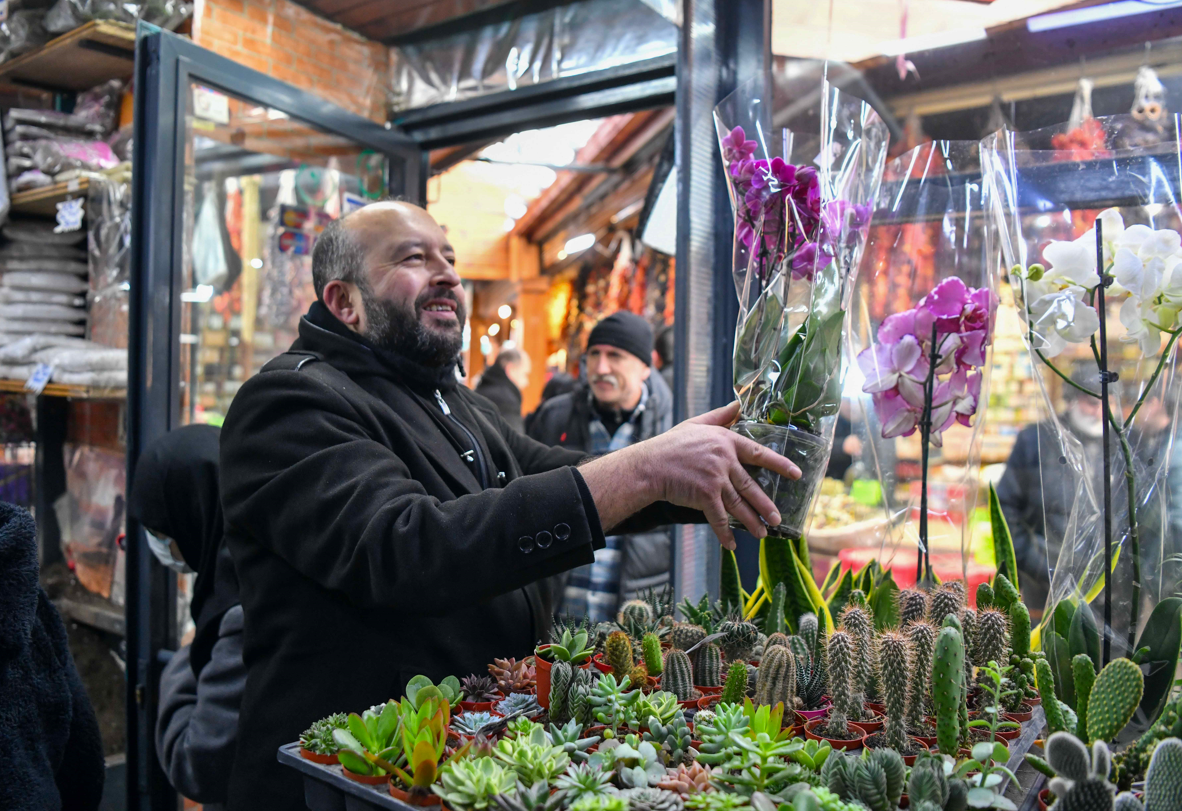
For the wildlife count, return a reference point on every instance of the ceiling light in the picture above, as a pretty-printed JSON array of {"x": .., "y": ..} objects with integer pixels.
[
  {"x": 493, "y": 329},
  {"x": 580, "y": 243},
  {"x": 928, "y": 42},
  {"x": 504, "y": 311},
  {"x": 561, "y": 255},
  {"x": 515, "y": 207},
  {"x": 256, "y": 263},
  {"x": 1092, "y": 14},
  {"x": 515, "y": 324}
]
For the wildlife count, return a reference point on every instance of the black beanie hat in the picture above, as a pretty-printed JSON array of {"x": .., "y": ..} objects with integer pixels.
[{"x": 627, "y": 331}]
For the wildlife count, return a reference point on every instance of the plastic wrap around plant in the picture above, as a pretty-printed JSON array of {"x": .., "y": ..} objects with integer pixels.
[
  {"x": 1046, "y": 207},
  {"x": 800, "y": 224},
  {"x": 928, "y": 271}
]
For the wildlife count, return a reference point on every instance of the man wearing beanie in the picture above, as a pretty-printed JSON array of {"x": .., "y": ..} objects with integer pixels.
[{"x": 619, "y": 403}]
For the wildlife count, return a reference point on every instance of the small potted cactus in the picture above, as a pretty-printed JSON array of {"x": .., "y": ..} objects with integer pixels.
[
  {"x": 894, "y": 680},
  {"x": 836, "y": 727},
  {"x": 317, "y": 743},
  {"x": 570, "y": 647},
  {"x": 678, "y": 677}
]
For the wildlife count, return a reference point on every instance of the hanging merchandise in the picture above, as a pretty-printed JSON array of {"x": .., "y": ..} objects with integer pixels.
[
  {"x": 209, "y": 255},
  {"x": 1084, "y": 135},
  {"x": 1150, "y": 119},
  {"x": 997, "y": 117}
]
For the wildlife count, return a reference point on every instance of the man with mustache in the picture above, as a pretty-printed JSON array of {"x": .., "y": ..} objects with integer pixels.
[
  {"x": 619, "y": 404},
  {"x": 386, "y": 522}
]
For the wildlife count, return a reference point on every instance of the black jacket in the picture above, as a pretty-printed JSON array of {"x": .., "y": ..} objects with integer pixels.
[
  {"x": 367, "y": 549},
  {"x": 564, "y": 420},
  {"x": 496, "y": 386},
  {"x": 51, "y": 755}
]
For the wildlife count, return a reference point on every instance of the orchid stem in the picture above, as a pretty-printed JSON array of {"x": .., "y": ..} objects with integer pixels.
[{"x": 923, "y": 562}]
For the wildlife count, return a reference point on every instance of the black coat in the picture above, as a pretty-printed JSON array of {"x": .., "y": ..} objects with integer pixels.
[
  {"x": 51, "y": 755},
  {"x": 496, "y": 386},
  {"x": 366, "y": 548}
]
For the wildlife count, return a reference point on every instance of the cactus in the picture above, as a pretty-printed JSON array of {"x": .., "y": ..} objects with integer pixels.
[
  {"x": 944, "y": 601},
  {"x": 678, "y": 675},
  {"x": 810, "y": 632},
  {"x": 913, "y": 607},
  {"x": 968, "y": 632},
  {"x": 638, "y": 675},
  {"x": 840, "y": 666},
  {"x": 1004, "y": 593},
  {"x": 560, "y": 681},
  {"x": 650, "y": 646},
  {"x": 1050, "y": 704},
  {"x": 618, "y": 650},
  {"x": 990, "y": 643},
  {"x": 774, "y": 640},
  {"x": 1080, "y": 784},
  {"x": 947, "y": 676},
  {"x": 1163, "y": 781},
  {"x": 896, "y": 667},
  {"x": 1020, "y": 630},
  {"x": 1127, "y": 802},
  {"x": 735, "y": 689},
  {"x": 708, "y": 667},
  {"x": 1114, "y": 698},
  {"x": 635, "y": 613},
  {"x": 774, "y": 623},
  {"x": 984, "y": 596},
  {"x": 739, "y": 638},
  {"x": 1083, "y": 673},
  {"x": 810, "y": 673},
  {"x": 685, "y": 635},
  {"x": 922, "y": 637},
  {"x": 776, "y": 679},
  {"x": 858, "y": 598},
  {"x": 858, "y": 623},
  {"x": 874, "y": 781}
]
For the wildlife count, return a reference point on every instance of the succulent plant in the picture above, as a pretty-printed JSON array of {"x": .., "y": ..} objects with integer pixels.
[
  {"x": 318, "y": 738},
  {"x": 561, "y": 675},
  {"x": 572, "y": 647},
  {"x": 687, "y": 779},
  {"x": 469, "y": 723},
  {"x": 420, "y": 688},
  {"x": 1163, "y": 781},
  {"x": 583, "y": 780},
  {"x": 519, "y": 704},
  {"x": 512, "y": 676},
  {"x": 929, "y": 786},
  {"x": 423, "y": 733},
  {"x": 532, "y": 757},
  {"x": 635, "y": 611},
  {"x": 776, "y": 680},
  {"x": 1083, "y": 675},
  {"x": 569, "y": 737},
  {"x": 1004, "y": 593},
  {"x": 685, "y": 635},
  {"x": 945, "y": 600},
  {"x": 673, "y": 739},
  {"x": 652, "y": 799},
  {"x": 600, "y": 802},
  {"x": 1081, "y": 782},
  {"x": 371, "y": 743},
  {"x": 635, "y": 762},
  {"x": 611, "y": 701},
  {"x": 679, "y": 674},
  {"x": 578, "y": 701},
  {"x": 479, "y": 688},
  {"x": 660, "y": 705},
  {"x": 775, "y": 639},
  {"x": 739, "y": 638},
  {"x": 840, "y": 666},
  {"x": 947, "y": 681},
  {"x": 1052, "y": 707},
  {"x": 708, "y": 666},
  {"x": 473, "y": 785},
  {"x": 875, "y": 780},
  {"x": 1115, "y": 696},
  {"x": 895, "y": 678},
  {"x": 813, "y": 754},
  {"x": 735, "y": 688},
  {"x": 618, "y": 654},
  {"x": 520, "y": 727},
  {"x": 858, "y": 622},
  {"x": 706, "y": 614},
  {"x": 922, "y": 638},
  {"x": 968, "y": 632},
  {"x": 537, "y": 797},
  {"x": 811, "y": 682},
  {"x": 716, "y": 801},
  {"x": 984, "y": 596},
  {"x": 718, "y": 744},
  {"x": 913, "y": 607},
  {"x": 650, "y": 646}
]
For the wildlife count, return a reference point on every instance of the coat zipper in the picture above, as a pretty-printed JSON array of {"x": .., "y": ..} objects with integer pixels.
[{"x": 479, "y": 457}]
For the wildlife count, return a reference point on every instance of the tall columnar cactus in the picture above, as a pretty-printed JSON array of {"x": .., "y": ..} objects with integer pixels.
[
  {"x": 810, "y": 632},
  {"x": 774, "y": 640},
  {"x": 858, "y": 623},
  {"x": 776, "y": 679},
  {"x": 738, "y": 640},
  {"x": 679, "y": 675},
  {"x": 922, "y": 637},
  {"x": 635, "y": 613},
  {"x": 619, "y": 654},
  {"x": 775, "y": 622},
  {"x": 578, "y": 703},
  {"x": 858, "y": 597},
  {"x": 1046, "y": 690},
  {"x": 1114, "y": 699},
  {"x": 1163, "y": 781},
  {"x": 913, "y": 607},
  {"x": 735, "y": 688},
  {"x": 560, "y": 681},
  {"x": 650, "y": 646},
  {"x": 708, "y": 668},
  {"x": 991, "y": 643},
  {"x": 1020, "y": 630},
  {"x": 1004, "y": 593},
  {"x": 944, "y": 601},
  {"x": 1083, "y": 673},
  {"x": 685, "y": 635},
  {"x": 840, "y": 666},
  {"x": 947, "y": 678},
  {"x": 895, "y": 659},
  {"x": 984, "y": 596},
  {"x": 968, "y": 632}
]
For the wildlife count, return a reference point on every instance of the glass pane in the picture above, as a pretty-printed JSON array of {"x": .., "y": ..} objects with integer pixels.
[{"x": 259, "y": 188}]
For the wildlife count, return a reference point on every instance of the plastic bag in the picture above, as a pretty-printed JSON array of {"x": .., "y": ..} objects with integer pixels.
[
  {"x": 36, "y": 250},
  {"x": 66, "y": 15},
  {"x": 54, "y": 157},
  {"x": 99, "y": 107},
  {"x": 17, "y": 164},
  {"x": 91, "y": 513},
  {"x": 84, "y": 359},
  {"x": 47, "y": 312},
  {"x": 113, "y": 379},
  {"x": 46, "y": 265},
  {"x": 22, "y": 32},
  {"x": 209, "y": 257},
  {"x": 40, "y": 232},
  {"x": 8, "y": 296},
  {"x": 53, "y": 122},
  {"x": 53, "y": 327},
  {"x": 22, "y": 350},
  {"x": 108, "y": 210},
  {"x": 109, "y": 316},
  {"x": 53, "y": 282},
  {"x": 32, "y": 179}
]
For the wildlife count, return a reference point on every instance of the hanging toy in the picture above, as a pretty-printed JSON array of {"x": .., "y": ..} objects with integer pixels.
[
  {"x": 1085, "y": 137},
  {"x": 1147, "y": 127}
]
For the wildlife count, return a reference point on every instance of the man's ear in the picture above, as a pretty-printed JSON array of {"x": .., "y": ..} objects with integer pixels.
[
  {"x": 343, "y": 300},
  {"x": 648, "y": 370}
]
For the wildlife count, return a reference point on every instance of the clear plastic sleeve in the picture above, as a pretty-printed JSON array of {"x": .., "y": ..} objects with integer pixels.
[
  {"x": 66, "y": 15},
  {"x": 108, "y": 210},
  {"x": 108, "y": 317},
  {"x": 91, "y": 513}
]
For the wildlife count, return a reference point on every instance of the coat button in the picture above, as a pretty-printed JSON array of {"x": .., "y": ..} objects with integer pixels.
[
  {"x": 526, "y": 544},
  {"x": 544, "y": 539},
  {"x": 562, "y": 531}
]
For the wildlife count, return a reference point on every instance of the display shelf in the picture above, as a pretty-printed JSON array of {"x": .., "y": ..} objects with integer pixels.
[
  {"x": 78, "y": 60},
  {"x": 62, "y": 390},
  {"x": 327, "y": 789},
  {"x": 97, "y": 613},
  {"x": 43, "y": 202}
]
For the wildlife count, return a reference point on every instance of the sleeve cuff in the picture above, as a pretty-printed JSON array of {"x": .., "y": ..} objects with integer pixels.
[{"x": 598, "y": 541}]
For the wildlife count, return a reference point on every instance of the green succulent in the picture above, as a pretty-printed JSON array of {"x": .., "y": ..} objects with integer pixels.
[
  {"x": 571, "y": 647},
  {"x": 521, "y": 727},
  {"x": 635, "y": 762},
  {"x": 420, "y": 688},
  {"x": 600, "y": 802},
  {"x": 716, "y": 801},
  {"x": 715, "y": 734},
  {"x": 568, "y": 737},
  {"x": 706, "y": 614},
  {"x": 583, "y": 780},
  {"x": 318, "y": 739},
  {"x": 612, "y": 703},
  {"x": 469, "y": 723},
  {"x": 531, "y": 798},
  {"x": 474, "y": 785},
  {"x": 532, "y": 757},
  {"x": 370, "y": 736},
  {"x": 660, "y": 705},
  {"x": 812, "y": 755},
  {"x": 519, "y": 704},
  {"x": 760, "y": 764},
  {"x": 672, "y": 739}
]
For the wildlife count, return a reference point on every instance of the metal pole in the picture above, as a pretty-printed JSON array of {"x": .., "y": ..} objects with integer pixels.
[{"x": 1107, "y": 416}]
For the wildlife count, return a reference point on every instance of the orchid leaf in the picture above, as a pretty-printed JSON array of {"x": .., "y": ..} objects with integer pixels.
[
  {"x": 884, "y": 603},
  {"x": 731, "y": 590},
  {"x": 1163, "y": 638},
  {"x": 1083, "y": 636}
]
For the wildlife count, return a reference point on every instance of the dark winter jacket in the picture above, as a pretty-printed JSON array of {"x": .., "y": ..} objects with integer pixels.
[
  {"x": 564, "y": 421},
  {"x": 369, "y": 550},
  {"x": 197, "y": 725},
  {"x": 496, "y": 386},
  {"x": 51, "y": 755}
]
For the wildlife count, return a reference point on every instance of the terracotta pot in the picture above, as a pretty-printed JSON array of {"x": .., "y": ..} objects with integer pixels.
[
  {"x": 908, "y": 760},
  {"x": 879, "y": 708},
  {"x": 904, "y": 801},
  {"x": 424, "y": 800},
  {"x": 323, "y": 760},
  {"x": 591, "y": 732},
  {"x": 486, "y": 706},
  {"x": 869, "y": 726},
  {"x": 706, "y": 702},
  {"x": 650, "y": 684},
  {"x": 1008, "y": 734},
  {"x": 597, "y": 660},
  {"x": 812, "y": 715},
  {"x": 367, "y": 779},
  {"x": 692, "y": 704},
  {"x": 852, "y": 744},
  {"x": 1033, "y": 702},
  {"x": 708, "y": 691},
  {"x": 1021, "y": 716},
  {"x": 1044, "y": 799},
  {"x": 542, "y": 678}
]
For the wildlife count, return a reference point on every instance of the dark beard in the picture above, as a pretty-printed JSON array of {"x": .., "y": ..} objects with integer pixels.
[{"x": 399, "y": 330}]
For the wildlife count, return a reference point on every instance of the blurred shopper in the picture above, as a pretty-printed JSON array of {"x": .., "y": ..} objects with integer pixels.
[
  {"x": 559, "y": 383},
  {"x": 619, "y": 404},
  {"x": 51, "y": 754},
  {"x": 663, "y": 354},
  {"x": 503, "y": 383},
  {"x": 175, "y": 498}
]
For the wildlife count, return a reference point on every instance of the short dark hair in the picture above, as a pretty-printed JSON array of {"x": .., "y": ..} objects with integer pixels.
[
  {"x": 337, "y": 256},
  {"x": 507, "y": 356}
]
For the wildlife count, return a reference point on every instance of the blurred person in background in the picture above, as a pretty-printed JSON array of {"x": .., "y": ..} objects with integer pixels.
[
  {"x": 559, "y": 383},
  {"x": 175, "y": 498},
  {"x": 663, "y": 354},
  {"x": 620, "y": 403},
  {"x": 51, "y": 753},
  {"x": 503, "y": 383}
]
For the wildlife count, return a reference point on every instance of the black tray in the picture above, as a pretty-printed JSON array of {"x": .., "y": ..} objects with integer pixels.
[{"x": 327, "y": 789}]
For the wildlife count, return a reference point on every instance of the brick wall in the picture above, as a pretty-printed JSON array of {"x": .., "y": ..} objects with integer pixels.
[{"x": 288, "y": 42}]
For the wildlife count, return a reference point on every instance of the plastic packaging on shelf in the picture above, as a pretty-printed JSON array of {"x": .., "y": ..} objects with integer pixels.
[
  {"x": 66, "y": 15},
  {"x": 91, "y": 513},
  {"x": 22, "y": 32},
  {"x": 109, "y": 316},
  {"x": 52, "y": 282},
  {"x": 40, "y": 232},
  {"x": 36, "y": 250},
  {"x": 108, "y": 208},
  {"x": 44, "y": 265},
  {"x": 52, "y": 123},
  {"x": 32, "y": 179},
  {"x": 8, "y": 296},
  {"x": 54, "y": 156},
  {"x": 55, "y": 327},
  {"x": 42, "y": 312},
  {"x": 88, "y": 357},
  {"x": 99, "y": 107}
]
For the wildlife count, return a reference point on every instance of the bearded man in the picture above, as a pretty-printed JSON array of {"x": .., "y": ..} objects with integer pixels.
[{"x": 385, "y": 522}]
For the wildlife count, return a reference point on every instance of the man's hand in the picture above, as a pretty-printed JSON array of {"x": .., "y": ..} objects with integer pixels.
[{"x": 698, "y": 464}]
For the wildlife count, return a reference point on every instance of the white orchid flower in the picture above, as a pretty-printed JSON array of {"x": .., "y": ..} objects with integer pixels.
[
  {"x": 1138, "y": 329},
  {"x": 1072, "y": 262},
  {"x": 1063, "y": 317},
  {"x": 1140, "y": 277}
]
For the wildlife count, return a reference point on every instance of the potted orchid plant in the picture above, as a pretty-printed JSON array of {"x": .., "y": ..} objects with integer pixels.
[{"x": 799, "y": 233}]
